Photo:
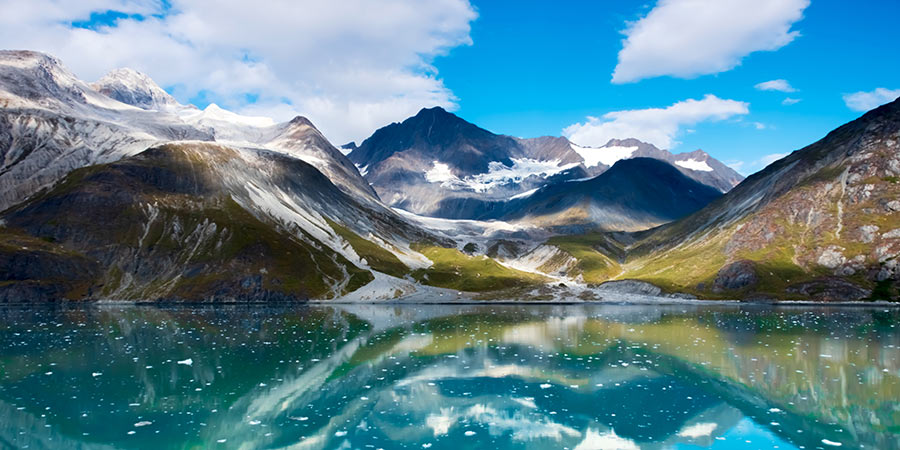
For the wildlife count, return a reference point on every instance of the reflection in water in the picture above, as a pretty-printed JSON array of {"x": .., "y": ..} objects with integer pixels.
[{"x": 592, "y": 377}]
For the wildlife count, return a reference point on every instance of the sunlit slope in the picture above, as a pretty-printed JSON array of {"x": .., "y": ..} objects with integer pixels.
[{"x": 821, "y": 223}]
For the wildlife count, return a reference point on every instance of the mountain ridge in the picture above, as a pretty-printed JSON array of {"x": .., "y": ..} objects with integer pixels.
[
  {"x": 437, "y": 164},
  {"x": 100, "y": 199}
]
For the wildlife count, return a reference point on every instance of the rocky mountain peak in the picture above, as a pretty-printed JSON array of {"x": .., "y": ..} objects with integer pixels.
[
  {"x": 302, "y": 121},
  {"x": 134, "y": 88},
  {"x": 34, "y": 75},
  {"x": 628, "y": 142}
]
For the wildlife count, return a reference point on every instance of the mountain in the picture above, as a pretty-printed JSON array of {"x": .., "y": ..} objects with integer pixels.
[
  {"x": 107, "y": 200},
  {"x": 134, "y": 88},
  {"x": 437, "y": 164},
  {"x": 52, "y": 123},
  {"x": 635, "y": 194},
  {"x": 203, "y": 221},
  {"x": 697, "y": 164},
  {"x": 101, "y": 199},
  {"x": 822, "y": 223},
  {"x": 434, "y": 156}
]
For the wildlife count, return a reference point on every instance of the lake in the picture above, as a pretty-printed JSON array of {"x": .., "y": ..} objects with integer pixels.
[{"x": 450, "y": 377}]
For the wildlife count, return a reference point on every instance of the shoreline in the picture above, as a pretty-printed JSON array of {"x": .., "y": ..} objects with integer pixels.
[{"x": 645, "y": 301}]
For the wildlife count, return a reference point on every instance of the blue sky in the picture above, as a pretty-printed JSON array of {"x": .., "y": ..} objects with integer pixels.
[
  {"x": 535, "y": 68},
  {"x": 686, "y": 71}
]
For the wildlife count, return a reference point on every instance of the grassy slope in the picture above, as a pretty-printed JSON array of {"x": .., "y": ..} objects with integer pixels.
[
  {"x": 595, "y": 253},
  {"x": 453, "y": 269},
  {"x": 377, "y": 257},
  {"x": 785, "y": 259}
]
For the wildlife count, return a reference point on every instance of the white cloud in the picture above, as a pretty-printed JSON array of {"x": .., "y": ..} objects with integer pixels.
[
  {"x": 770, "y": 158},
  {"x": 775, "y": 85},
  {"x": 864, "y": 101},
  {"x": 688, "y": 38},
  {"x": 658, "y": 126},
  {"x": 788, "y": 101},
  {"x": 747, "y": 169},
  {"x": 759, "y": 125},
  {"x": 350, "y": 65},
  {"x": 736, "y": 165}
]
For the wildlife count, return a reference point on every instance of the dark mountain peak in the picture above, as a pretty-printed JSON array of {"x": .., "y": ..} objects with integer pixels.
[
  {"x": 643, "y": 166},
  {"x": 435, "y": 111},
  {"x": 438, "y": 119},
  {"x": 634, "y": 194},
  {"x": 435, "y": 133}
]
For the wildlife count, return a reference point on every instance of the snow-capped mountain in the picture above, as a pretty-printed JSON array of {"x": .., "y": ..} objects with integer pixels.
[
  {"x": 434, "y": 159},
  {"x": 697, "y": 164},
  {"x": 437, "y": 164},
  {"x": 134, "y": 88},
  {"x": 80, "y": 169},
  {"x": 52, "y": 123},
  {"x": 635, "y": 194},
  {"x": 138, "y": 197}
]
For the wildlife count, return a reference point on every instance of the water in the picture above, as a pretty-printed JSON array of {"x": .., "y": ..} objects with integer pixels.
[{"x": 438, "y": 377}]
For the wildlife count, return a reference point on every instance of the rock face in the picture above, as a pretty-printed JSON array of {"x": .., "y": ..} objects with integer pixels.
[
  {"x": 736, "y": 276},
  {"x": 179, "y": 222},
  {"x": 830, "y": 290},
  {"x": 635, "y": 287}
]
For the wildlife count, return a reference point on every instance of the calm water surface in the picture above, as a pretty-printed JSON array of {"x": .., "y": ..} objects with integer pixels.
[{"x": 435, "y": 377}]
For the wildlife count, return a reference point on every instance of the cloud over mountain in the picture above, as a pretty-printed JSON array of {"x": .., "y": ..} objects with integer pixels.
[
  {"x": 658, "y": 126},
  {"x": 864, "y": 101},
  {"x": 351, "y": 65}
]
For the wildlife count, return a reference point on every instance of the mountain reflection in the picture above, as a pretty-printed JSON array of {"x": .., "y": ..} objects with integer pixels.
[{"x": 592, "y": 377}]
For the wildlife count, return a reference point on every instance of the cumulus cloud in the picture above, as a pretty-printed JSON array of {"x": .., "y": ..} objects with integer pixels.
[
  {"x": 864, "y": 101},
  {"x": 688, "y": 38},
  {"x": 788, "y": 101},
  {"x": 350, "y": 66},
  {"x": 658, "y": 126},
  {"x": 775, "y": 85}
]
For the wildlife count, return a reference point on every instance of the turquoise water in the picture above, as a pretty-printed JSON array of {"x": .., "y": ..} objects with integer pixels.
[{"x": 438, "y": 377}]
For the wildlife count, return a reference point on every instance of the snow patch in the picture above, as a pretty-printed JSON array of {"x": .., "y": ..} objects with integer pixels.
[
  {"x": 605, "y": 155},
  {"x": 498, "y": 174},
  {"x": 525, "y": 194},
  {"x": 694, "y": 164},
  {"x": 484, "y": 228},
  {"x": 216, "y": 114}
]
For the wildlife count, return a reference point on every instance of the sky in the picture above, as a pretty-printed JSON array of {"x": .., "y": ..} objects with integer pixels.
[{"x": 747, "y": 81}]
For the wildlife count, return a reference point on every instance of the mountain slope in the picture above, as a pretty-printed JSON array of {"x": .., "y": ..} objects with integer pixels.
[
  {"x": 634, "y": 194},
  {"x": 52, "y": 123},
  {"x": 697, "y": 164},
  {"x": 437, "y": 164},
  {"x": 821, "y": 223},
  {"x": 435, "y": 156},
  {"x": 200, "y": 221}
]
